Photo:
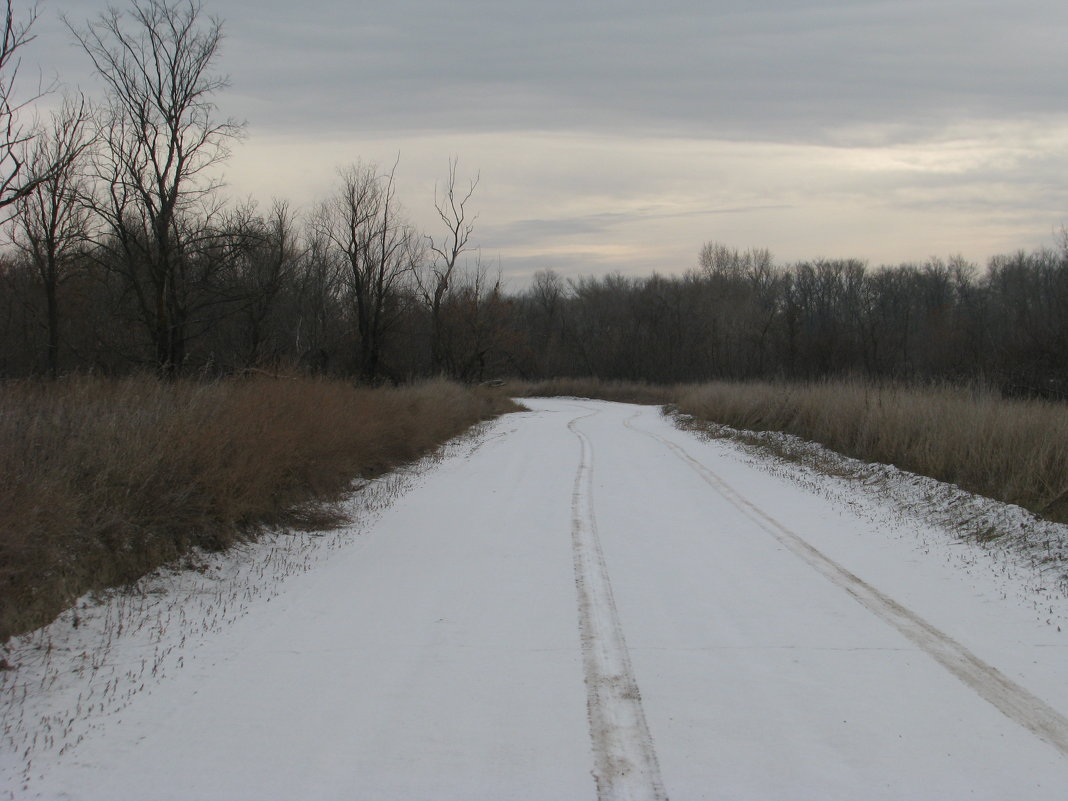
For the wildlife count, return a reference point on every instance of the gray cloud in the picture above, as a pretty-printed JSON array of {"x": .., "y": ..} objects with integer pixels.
[
  {"x": 773, "y": 70},
  {"x": 606, "y": 127}
]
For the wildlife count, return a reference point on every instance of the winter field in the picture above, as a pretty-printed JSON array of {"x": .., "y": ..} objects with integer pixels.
[{"x": 579, "y": 601}]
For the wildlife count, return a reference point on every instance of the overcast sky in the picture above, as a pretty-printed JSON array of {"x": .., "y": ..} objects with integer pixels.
[{"x": 622, "y": 135}]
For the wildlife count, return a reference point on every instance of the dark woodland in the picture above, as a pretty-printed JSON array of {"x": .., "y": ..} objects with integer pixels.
[{"x": 123, "y": 255}]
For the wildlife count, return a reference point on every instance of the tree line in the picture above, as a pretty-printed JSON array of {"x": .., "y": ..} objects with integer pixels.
[
  {"x": 124, "y": 255},
  {"x": 740, "y": 316}
]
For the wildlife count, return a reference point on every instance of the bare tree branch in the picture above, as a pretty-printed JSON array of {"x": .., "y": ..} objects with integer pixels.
[{"x": 16, "y": 133}]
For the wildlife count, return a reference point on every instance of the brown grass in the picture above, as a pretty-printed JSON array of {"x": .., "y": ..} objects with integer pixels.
[
  {"x": 102, "y": 481},
  {"x": 620, "y": 391},
  {"x": 1011, "y": 450}
]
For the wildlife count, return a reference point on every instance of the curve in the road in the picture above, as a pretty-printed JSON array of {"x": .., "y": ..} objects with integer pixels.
[
  {"x": 1011, "y": 699},
  {"x": 625, "y": 762}
]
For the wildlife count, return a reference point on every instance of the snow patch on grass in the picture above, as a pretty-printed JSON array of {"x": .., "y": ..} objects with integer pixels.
[
  {"x": 976, "y": 533},
  {"x": 59, "y": 683}
]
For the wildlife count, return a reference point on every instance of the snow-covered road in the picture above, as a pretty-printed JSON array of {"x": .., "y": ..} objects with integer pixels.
[{"x": 592, "y": 604}]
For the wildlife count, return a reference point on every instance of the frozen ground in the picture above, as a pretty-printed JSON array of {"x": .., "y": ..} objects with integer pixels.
[{"x": 581, "y": 602}]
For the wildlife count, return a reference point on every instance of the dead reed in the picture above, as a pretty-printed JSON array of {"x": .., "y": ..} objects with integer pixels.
[
  {"x": 104, "y": 480},
  {"x": 620, "y": 391},
  {"x": 1011, "y": 450}
]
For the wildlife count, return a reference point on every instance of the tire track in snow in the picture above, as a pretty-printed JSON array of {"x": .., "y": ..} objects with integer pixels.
[
  {"x": 625, "y": 763},
  {"x": 1015, "y": 702}
]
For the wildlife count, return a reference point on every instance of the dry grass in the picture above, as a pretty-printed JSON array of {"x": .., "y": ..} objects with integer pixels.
[
  {"x": 620, "y": 391},
  {"x": 1011, "y": 450},
  {"x": 102, "y": 481}
]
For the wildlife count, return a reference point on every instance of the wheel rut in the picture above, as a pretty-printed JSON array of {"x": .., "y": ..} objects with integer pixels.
[
  {"x": 625, "y": 761},
  {"x": 1014, "y": 701}
]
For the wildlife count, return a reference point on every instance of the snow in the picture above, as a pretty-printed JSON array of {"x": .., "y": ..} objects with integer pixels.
[{"x": 580, "y": 601}]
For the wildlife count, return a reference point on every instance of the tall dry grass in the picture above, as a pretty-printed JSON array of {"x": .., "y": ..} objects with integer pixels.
[
  {"x": 1011, "y": 450},
  {"x": 620, "y": 391},
  {"x": 102, "y": 481}
]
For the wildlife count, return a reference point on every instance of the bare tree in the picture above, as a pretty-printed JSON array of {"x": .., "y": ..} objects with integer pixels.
[
  {"x": 319, "y": 288},
  {"x": 162, "y": 136},
  {"x": 436, "y": 280},
  {"x": 363, "y": 224},
  {"x": 476, "y": 324},
  {"x": 267, "y": 255},
  {"x": 52, "y": 220}
]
